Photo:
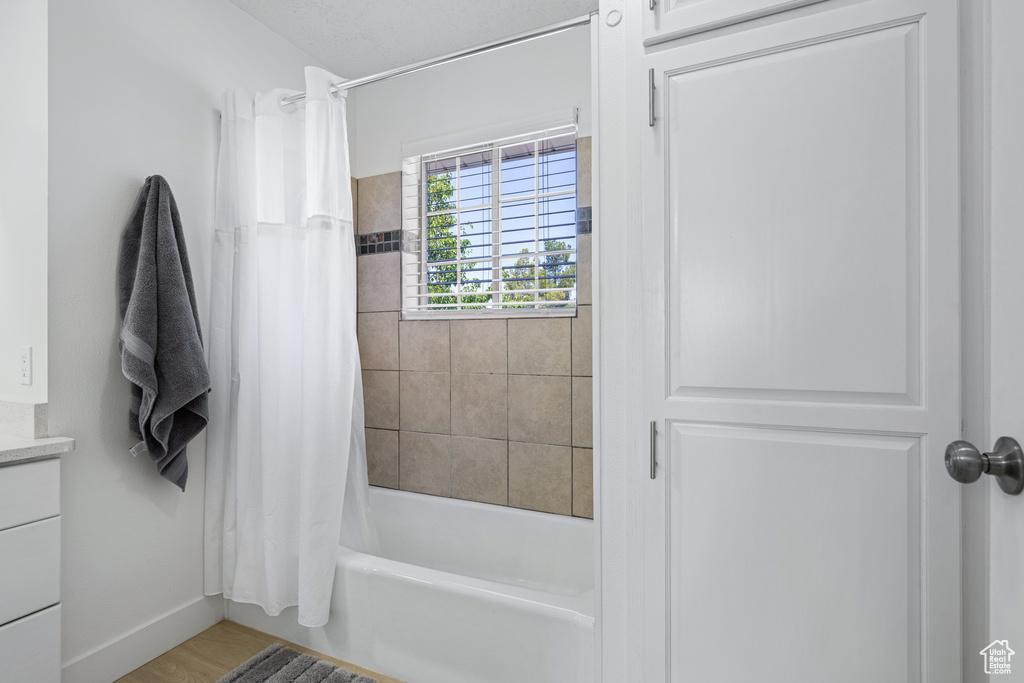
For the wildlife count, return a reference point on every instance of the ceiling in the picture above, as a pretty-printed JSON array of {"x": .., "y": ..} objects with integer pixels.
[{"x": 355, "y": 38}]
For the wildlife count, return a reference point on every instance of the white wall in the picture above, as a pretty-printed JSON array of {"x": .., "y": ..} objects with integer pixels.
[
  {"x": 23, "y": 196},
  {"x": 529, "y": 79},
  {"x": 134, "y": 90}
]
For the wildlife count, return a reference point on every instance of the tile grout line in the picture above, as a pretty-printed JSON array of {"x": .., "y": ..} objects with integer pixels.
[
  {"x": 399, "y": 335},
  {"x": 508, "y": 421},
  {"x": 482, "y": 438}
]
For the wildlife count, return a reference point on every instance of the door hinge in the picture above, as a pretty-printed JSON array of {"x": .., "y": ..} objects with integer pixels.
[
  {"x": 650, "y": 97},
  {"x": 654, "y": 449},
  {"x": 652, "y": 4}
]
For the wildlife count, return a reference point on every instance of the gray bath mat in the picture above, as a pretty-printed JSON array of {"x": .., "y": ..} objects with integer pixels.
[{"x": 280, "y": 664}]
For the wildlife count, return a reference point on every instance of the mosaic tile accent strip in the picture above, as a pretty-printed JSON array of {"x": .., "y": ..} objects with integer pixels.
[
  {"x": 584, "y": 224},
  {"x": 378, "y": 242}
]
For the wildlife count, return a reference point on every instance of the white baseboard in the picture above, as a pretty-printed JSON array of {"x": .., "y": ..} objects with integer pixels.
[{"x": 147, "y": 642}]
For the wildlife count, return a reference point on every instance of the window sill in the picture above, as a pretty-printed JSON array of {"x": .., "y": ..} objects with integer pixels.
[{"x": 501, "y": 314}]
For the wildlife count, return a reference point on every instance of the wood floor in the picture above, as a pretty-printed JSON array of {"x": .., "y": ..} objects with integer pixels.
[{"x": 215, "y": 652}]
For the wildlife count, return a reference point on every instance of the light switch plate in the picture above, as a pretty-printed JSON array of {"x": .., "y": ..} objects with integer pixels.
[{"x": 25, "y": 368}]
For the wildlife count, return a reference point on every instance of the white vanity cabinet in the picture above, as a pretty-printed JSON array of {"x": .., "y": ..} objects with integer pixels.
[
  {"x": 30, "y": 571},
  {"x": 668, "y": 19}
]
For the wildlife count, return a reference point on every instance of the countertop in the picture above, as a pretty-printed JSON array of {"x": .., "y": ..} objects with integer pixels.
[{"x": 13, "y": 449}]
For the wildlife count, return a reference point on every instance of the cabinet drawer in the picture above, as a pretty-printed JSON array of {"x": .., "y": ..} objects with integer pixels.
[
  {"x": 29, "y": 492},
  {"x": 29, "y": 568},
  {"x": 30, "y": 648}
]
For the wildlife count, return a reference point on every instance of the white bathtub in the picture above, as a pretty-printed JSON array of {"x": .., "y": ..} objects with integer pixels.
[{"x": 462, "y": 593}]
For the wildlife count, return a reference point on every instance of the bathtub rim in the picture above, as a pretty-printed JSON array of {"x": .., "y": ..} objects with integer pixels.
[
  {"x": 578, "y": 608},
  {"x": 568, "y": 520}
]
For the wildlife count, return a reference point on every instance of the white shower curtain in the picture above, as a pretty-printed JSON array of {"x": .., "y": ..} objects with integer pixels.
[{"x": 286, "y": 468}]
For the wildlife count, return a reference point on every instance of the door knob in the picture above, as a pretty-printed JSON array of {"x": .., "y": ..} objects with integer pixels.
[{"x": 1006, "y": 463}]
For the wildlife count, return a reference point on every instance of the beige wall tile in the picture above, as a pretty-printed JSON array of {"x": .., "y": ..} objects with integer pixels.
[
  {"x": 426, "y": 402},
  {"x": 382, "y": 457},
  {"x": 479, "y": 346},
  {"x": 546, "y": 413},
  {"x": 583, "y": 341},
  {"x": 583, "y": 412},
  {"x": 584, "y": 296},
  {"x": 425, "y": 463},
  {"x": 425, "y": 345},
  {"x": 540, "y": 477},
  {"x": 583, "y": 482},
  {"x": 378, "y": 340},
  {"x": 378, "y": 282},
  {"x": 480, "y": 470},
  {"x": 380, "y": 398},
  {"x": 480, "y": 406},
  {"x": 583, "y": 171},
  {"x": 539, "y": 346},
  {"x": 540, "y": 409},
  {"x": 380, "y": 203}
]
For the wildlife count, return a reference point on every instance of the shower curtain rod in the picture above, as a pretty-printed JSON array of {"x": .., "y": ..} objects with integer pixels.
[{"x": 452, "y": 57}]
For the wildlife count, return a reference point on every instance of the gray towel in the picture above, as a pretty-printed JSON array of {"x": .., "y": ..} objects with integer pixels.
[{"x": 161, "y": 344}]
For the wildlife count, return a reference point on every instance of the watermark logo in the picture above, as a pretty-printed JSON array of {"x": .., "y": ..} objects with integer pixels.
[{"x": 997, "y": 657}]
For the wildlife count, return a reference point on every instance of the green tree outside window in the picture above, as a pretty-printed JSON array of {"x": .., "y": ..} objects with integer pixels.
[{"x": 443, "y": 244}]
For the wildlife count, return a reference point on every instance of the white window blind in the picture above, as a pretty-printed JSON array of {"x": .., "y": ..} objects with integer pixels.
[{"x": 490, "y": 229}]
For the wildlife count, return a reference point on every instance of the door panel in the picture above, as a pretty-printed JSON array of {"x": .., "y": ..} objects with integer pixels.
[
  {"x": 802, "y": 362},
  {"x": 798, "y": 276},
  {"x": 667, "y": 19},
  {"x": 821, "y": 518}
]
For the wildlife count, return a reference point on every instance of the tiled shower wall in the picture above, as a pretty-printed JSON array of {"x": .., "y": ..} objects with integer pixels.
[{"x": 496, "y": 411}]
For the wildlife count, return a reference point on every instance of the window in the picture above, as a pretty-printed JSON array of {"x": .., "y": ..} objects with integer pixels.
[{"x": 491, "y": 229}]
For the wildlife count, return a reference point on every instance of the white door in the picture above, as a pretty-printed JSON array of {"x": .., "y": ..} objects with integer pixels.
[{"x": 801, "y": 312}]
